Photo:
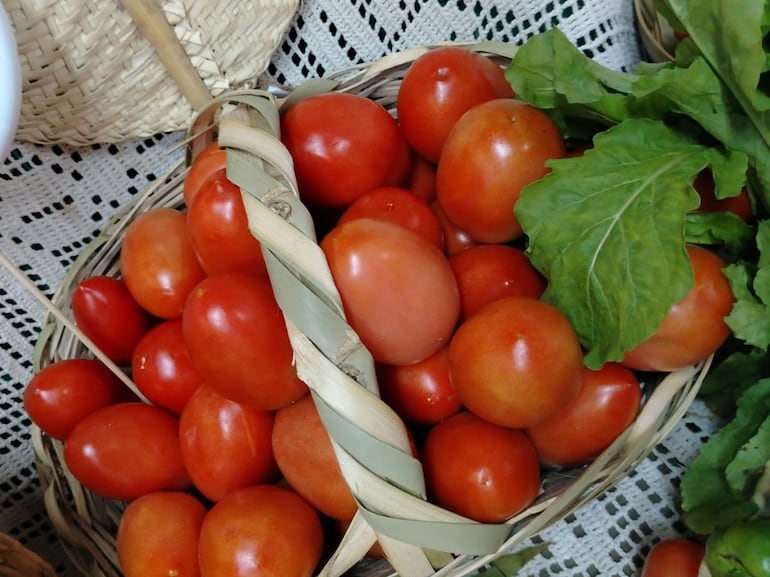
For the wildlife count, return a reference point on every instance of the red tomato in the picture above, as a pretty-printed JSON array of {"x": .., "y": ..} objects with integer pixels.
[
  {"x": 480, "y": 470},
  {"x": 208, "y": 164},
  {"x": 225, "y": 446},
  {"x": 494, "y": 151},
  {"x": 420, "y": 393},
  {"x": 306, "y": 459},
  {"x": 694, "y": 327},
  {"x": 158, "y": 535},
  {"x": 162, "y": 369},
  {"x": 106, "y": 312},
  {"x": 127, "y": 450},
  {"x": 335, "y": 159},
  {"x": 219, "y": 230},
  {"x": 516, "y": 361},
  {"x": 236, "y": 337},
  {"x": 61, "y": 394},
  {"x": 421, "y": 179},
  {"x": 488, "y": 272},
  {"x": 740, "y": 204},
  {"x": 398, "y": 289},
  {"x": 437, "y": 89},
  {"x": 455, "y": 240},
  {"x": 398, "y": 206},
  {"x": 674, "y": 556},
  {"x": 607, "y": 403},
  {"x": 260, "y": 531},
  {"x": 158, "y": 262}
]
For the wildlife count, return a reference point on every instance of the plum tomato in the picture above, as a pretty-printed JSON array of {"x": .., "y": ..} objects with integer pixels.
[
  {"x": 674, "y": 556},
  {"x": 495, "y": 149},
  {"x": 236, "y": 336},
  {"x": 261, "y": 531},
  {"x": 516, "y": 361},
  {"x": 488, "y": 272},
  {"x": 740, "y": 204},
  {"x": 210, "y": 163},
  {"x": 104, "y": 309},
  {"x": 306, "y": 459},
  {"x": 127, "y": 450},
  {"x": 607, "y": 403},
  {"x": 455, "y": 239},
  {"x": 397, "y": 289},
  {"x": 478, "y": 469},
  {"x": 400, "y": 206},
  {"x": 335, "y": 160},
  {"x": 219, "y": 230},
  {"x": 61, "y": 394},
  {"x": 158, "y": 263},
  {"x": 422, "y": 392},
  {"x": 694, "y": 327},
  {"x": 158, "y": 535},
  {"x": 162, "y": 369},
  {"x": 225, "y": 446},
  {"x": 438, "y": 88},
  {"x": 421, "y": 179}
]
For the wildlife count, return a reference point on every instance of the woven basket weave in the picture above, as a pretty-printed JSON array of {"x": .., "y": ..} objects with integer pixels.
[
  {"x": 18, "y": 561},
  {"x": 656, "y": 34},
  {"x": 91, "y": 75}
]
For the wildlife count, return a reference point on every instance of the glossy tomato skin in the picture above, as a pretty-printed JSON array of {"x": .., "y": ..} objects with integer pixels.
[
  {"x": 306, "y": 459},
  {"x": 236, "y": 336},
  {"x": 219, "y": 230},
  {"x": 158, "y": 535},
  {"x": 127, "y": 450},
  {"x": 674, "y": 556},
  {"x": 438, "y": 88},
  {"x": 480, "y": 470},
  {"x": 61, "y": 394},
  {"x": 211, "y": 162},
  {"x": 488, "y": 272},
  {"x": 493, "y": 151},
  {"x": 455, "y": 239},
  {"x": 516, "y": 362},
  {"x": 158, "y": 263},
  {"x": 104, "y": 309},
  {"x": 694, "y": 327},
  {"x": 260, "y": 531},
  {"x": 607, "y": 403},
  {"x": 225, "y": 446},
  {"x": 397, "y": 289},
  {"x": 335, "y": 160},
  {"x": 421, "y": 179}
]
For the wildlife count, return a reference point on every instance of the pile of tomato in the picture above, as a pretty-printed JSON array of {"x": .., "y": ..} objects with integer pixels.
[{"x": 225, "y": 464}]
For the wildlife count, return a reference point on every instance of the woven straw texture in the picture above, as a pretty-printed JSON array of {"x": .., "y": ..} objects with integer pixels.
[{"x": 656, "y": 35}]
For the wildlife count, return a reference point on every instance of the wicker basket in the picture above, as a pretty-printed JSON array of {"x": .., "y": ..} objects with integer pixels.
[
  {"x": 91, "y": 73},
  {"x": 18, "y": 561},
  {"x": 419, "y": 539},
  {"x": 656, "y": 34}
]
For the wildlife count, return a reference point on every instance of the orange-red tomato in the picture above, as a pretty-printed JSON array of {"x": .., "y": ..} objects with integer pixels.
[
  {"x": 674, "y": 556},
  {"x": 455, "y": 239},
  {"x": 516, "y": 362},
  {"x": 480, "y": 470},
  {"x": 260, "y": 531},
  {"x": 306, "y": 459},
  {"x": 398, "y": 290},
  {"x": 158, "y": 535},
  {"x": 607, "y": 403},
  {"x": 208, "y": 164},
  {"x": 421, "y": 179}
]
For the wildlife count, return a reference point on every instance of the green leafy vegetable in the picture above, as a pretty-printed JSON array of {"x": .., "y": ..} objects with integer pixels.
[
  {"x": 727, "y": 379},
  {"x": 509, "y": 565}
]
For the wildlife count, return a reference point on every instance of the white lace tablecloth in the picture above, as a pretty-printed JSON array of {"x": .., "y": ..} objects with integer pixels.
[{"x": 55, "y": 199}]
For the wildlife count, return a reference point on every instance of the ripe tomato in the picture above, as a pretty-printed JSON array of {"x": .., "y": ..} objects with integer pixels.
[
  {"x": 398, "y": 289},
  {"x": 127, "y": 450},
  {"x": 438, "y": 88},
  {"x": 210, "y": 163},
  {"x": 61, "y": 394},
  {"x": 158, "y": 535},
  {"x": 105, "y": 311},
  {"x": 335, "y": 160},
  {"x": 694, "y": 327},
  {"x": 515, "y": 362},
  {"x": 607, "y": 403},
  {"x": 398, "y": 206},
  {"x": 421, "y": 179},
  {"x": 306, "y": 459},
  {"x": 674, "y": 556},
  {"x": 236, "y": 337},
  {"x": 455, "y": 240},
  {"x": 739, "y": 204},
  {"x": 493, "y": 151},
  {"x": 420, "y": 393},
  {"x": 225, "y": 446},
  {"x": 260, "y": 531},
  {"x": 480, "y": 470},
  {"x": 488, "y": 272},
  {"x": 219, "y": 230},
  {"x": 158, "y": 262}
]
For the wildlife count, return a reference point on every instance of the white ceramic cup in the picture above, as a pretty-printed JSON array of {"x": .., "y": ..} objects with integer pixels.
[{"x": 10, "y": 85}]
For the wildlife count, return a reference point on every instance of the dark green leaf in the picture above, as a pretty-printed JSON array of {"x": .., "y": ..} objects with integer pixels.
[
  {"x": 726, "y": 381},
  {"x": 719, "y": 228}
]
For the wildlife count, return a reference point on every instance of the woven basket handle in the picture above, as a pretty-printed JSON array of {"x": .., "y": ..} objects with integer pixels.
[{"x": 152, "y": 23}]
